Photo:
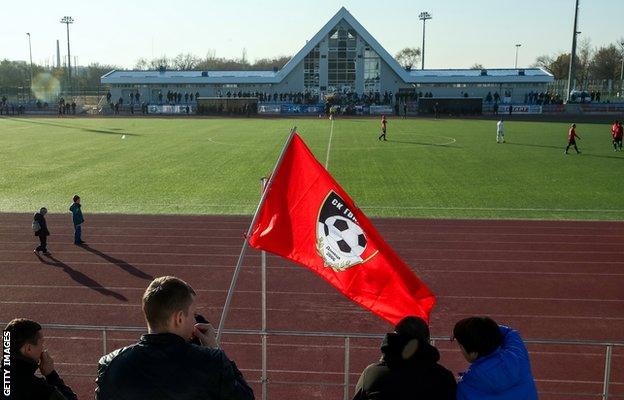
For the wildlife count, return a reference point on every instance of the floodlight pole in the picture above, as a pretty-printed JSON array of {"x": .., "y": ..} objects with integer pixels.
[
  {"x": 424, "y": 16},
  {"x": 517, "y": 48},
  {"x": 622, "y": 70},
  {"x": 571, "y": 71},
  {"x": 31, "y": 65},
  {"x": 68, "y": 20}
]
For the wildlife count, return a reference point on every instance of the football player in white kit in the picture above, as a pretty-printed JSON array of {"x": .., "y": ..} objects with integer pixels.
[{"x": 500, "y": 132}]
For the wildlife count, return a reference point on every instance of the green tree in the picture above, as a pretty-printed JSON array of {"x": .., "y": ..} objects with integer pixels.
[{"x": 606, "y": 63}]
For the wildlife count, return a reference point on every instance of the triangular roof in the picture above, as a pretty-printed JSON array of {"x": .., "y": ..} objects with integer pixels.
[{"x": 343, "y": 13}]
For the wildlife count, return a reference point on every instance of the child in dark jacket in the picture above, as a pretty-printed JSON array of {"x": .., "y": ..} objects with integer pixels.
[
  {"x": 408, "y": 368},
  {"x": 42, "y": 232},
  {"x": 78, "y": 220}
]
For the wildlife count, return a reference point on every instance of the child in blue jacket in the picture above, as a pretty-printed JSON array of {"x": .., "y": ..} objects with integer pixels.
[
  {"x": 77, "y": 219},
  {"x": 500, "y": 367}
]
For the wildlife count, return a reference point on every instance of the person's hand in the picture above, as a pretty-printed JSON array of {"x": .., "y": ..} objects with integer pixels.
[
  {"x": 46, "y": 363},
  {"x": 206, "y": 335}
]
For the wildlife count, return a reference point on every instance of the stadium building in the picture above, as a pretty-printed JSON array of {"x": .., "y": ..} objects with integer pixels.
[{"x": 342, "y": 57}]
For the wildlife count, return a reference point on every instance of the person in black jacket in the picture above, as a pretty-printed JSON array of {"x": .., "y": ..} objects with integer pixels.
[
  {"x": 42, "y": 232},
  {"x": 27, "y": 354},
  {"x": 408, "y": 368},
  {"x": 164, "y": 364}
]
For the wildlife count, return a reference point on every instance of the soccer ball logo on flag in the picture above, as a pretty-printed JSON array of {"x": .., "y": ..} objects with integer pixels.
[{"x": 340, "y": 241}]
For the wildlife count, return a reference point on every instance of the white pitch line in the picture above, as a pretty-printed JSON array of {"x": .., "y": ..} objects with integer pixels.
[{"x": 331, "y": 133}]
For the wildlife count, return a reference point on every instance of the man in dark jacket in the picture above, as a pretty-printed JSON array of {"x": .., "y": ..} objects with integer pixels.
[
  {"x": 408, "y": 368},
  {"x": 27, "y": 354},
  {"x": 78, "y": 219},
  {"x": 42, "y": 232},
  {"x": 500, "y": 367},
  {"x": 163, "y": 364}
]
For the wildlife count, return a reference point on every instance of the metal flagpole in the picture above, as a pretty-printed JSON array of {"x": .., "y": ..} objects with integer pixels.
[
  {"x": 264, "y": 378},
  {"x": 228, "y": 299}
]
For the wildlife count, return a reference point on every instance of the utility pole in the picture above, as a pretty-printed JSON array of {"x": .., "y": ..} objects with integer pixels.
[
  {"x": 517, "y": 47},
  {"x": 31, "y": 65},
  {"x": 622, "y": 69},
  {"x": 571, "y": 71},
  {"x": 424, "y": 16},
  {"x": 68, "y": 20}
]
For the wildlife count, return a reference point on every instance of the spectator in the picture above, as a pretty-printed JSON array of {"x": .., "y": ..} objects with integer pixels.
[
  {"x": 77, "y": 219},
  {"x": 28, "y": 354},
  {"x": 408, "y": 368},
  {"x": 500, "y": 367},
  {"x": 40, "y": 227},
  {"x": 163, "y": 364}
]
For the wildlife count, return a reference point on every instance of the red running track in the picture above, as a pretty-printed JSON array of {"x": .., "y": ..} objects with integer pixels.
[{"x": 550, "y": 280}]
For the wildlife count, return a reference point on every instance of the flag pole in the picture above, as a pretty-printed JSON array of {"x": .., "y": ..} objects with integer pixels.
[
  {"x": 263, "y": 377},
  {"x": 230, "y": 293}
]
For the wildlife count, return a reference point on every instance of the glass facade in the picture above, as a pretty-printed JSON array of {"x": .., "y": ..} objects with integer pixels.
[
  {"x": 372, "y": 71},
  {"x": 341, "y": 59},
  {"x": 311, "y": 71}
]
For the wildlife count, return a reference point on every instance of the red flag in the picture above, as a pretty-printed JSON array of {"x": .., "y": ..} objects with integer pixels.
[{"x": 309, "y": 219}]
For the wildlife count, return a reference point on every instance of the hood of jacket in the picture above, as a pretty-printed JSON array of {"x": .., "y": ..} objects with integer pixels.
[{"x": 392, "y": 353}]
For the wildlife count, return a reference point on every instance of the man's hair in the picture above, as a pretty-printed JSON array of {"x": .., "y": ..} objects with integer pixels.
[
  {"x": 478, "y": 334},
  {"x": 165, "y": 296},
  {"x": 23, "y": 331},
  {"x": 76, "y": 198}
]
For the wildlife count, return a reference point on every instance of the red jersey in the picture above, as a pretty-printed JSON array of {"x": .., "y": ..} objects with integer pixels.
[
  {"x": 619, "y": 131},
  {"x": 571, "y": 134},
  {"x": 615, "y": 128}
]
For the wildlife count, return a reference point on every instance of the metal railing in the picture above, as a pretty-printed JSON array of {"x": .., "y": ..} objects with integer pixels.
[{"x": 347, "y": 337}]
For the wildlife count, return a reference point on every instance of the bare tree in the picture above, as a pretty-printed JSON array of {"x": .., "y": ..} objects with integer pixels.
[
  {"x": 585, "y": 55},
  {"x": 477, "y": 66},
  {"x": 141, "y": 64},
  {"x": 185, "y": 62},
  {"x": 408, "y": 57}
]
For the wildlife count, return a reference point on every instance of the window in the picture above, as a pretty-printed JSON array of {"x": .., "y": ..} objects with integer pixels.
[
  {"x": 341, "y": 59},
  {"x": 371, "y": 71},
  {"x": 311, "y": 71}
]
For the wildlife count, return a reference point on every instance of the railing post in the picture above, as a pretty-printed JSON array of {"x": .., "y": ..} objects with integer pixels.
[
  {"x": 346, "y": 368},
  {"x": 104, "y": 338},
  {"x": 607, "y": 372},
  {"x": 265, "y": 380}
]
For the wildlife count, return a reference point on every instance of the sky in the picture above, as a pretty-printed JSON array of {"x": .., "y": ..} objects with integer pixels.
[{"x": 461, "y": 33}]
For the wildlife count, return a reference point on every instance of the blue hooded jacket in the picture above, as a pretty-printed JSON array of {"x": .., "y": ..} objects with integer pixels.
[{"x": 503, "y": 375}]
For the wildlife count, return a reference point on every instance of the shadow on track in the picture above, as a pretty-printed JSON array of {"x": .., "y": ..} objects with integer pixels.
[
  {"x": 81, "y": 278},
  {"x": 129, "y": 268}
]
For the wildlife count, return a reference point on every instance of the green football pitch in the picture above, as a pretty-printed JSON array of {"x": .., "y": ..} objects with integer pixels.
[{"x": 428, "y": 168}]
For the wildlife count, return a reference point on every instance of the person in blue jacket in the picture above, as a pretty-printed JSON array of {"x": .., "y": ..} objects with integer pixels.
[{"x": 500, "y": 367}]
